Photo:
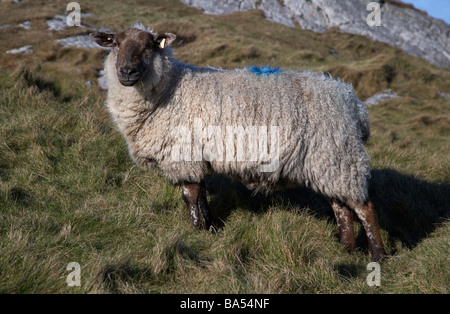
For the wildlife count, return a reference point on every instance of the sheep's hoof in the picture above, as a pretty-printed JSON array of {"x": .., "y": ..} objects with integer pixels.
[
  {"x": 198, "y": 219},
  {"x": 378, "y": 255},
  {"x": 194, "y": 194}
]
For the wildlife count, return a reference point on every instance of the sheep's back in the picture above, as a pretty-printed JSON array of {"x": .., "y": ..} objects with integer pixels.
[{"x": 320, "y": 137}]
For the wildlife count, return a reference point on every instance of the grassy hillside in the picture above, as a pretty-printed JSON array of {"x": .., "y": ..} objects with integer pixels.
[{"x": 70, "y": 193}]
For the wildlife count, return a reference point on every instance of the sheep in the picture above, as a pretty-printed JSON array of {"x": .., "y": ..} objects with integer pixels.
[{"x": 268, "y": 128}]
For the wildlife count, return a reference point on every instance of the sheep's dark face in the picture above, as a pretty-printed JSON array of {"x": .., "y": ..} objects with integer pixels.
[{"x": 133, "y": 50}]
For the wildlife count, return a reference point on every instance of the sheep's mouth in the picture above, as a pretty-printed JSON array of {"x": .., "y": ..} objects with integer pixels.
[
  {"x": 129, "y": 76},
  {"x": 128, "y": 82}
]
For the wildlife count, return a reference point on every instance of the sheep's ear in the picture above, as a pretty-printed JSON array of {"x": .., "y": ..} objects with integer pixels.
[
  {"x": 165, "y": 40},
  {"x": 103, "y": 39}
]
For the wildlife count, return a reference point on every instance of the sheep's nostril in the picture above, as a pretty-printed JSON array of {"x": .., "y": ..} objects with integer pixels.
[
  {"x": 129, "y": 71},
  {"x": 132, "y": 72}
]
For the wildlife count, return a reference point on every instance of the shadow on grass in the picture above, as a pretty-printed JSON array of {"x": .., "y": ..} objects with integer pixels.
[
  {"x": 349, "y": 270},
  {"x": 113, "y": 275},
  {"x": 117, "y": 275},
  {"x": 408, "y": 208}
]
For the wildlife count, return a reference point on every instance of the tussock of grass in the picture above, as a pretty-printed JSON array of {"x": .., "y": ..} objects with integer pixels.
[{"x": 69, "y": 192}]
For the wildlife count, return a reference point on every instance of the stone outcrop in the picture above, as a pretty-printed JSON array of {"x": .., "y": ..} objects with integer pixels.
[{"x": 402, "y": 26}]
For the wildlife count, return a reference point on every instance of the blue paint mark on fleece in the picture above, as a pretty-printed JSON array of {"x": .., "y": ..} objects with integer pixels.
[{"x": 265, "y": 70}]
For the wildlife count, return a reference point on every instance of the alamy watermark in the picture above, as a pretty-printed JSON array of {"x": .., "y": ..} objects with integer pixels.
[
  {"x": 374, "y": 18},
  {"x": 74, "y": 278},
  {"x": 74, "y": 17},
  {"x": 374, "y": 277},
  {"x": 231, "y": 143}
]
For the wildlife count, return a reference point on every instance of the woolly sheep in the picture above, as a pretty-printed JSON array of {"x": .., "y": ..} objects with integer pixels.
[{"x": 266, "y": 127}]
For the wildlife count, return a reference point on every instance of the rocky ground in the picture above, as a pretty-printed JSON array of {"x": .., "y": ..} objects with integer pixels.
[{"x": 401, "y": 25}]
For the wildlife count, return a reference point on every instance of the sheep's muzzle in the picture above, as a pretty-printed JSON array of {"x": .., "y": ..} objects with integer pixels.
[{"x": 128, "y": 76}]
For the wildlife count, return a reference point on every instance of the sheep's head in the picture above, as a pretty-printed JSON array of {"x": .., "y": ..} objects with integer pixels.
[{"x": 133, "y": 49}]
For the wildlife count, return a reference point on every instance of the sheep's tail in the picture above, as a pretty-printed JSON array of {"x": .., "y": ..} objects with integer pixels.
[
  {"x": 363, "y": 119},
  {"x": 360, "y": 113}
]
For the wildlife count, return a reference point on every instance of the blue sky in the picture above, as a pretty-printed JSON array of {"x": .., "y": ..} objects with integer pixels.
[{"x": 435, "y": 8}]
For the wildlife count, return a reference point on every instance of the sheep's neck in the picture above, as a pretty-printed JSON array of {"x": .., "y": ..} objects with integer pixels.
[{"x": 131, "y": 107}]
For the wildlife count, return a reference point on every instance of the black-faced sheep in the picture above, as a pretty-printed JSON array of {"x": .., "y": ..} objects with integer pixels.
[{"x": 265, "y": 127}]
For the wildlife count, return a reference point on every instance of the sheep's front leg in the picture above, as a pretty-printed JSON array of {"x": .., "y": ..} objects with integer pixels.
[
  {"x": 344, "y": 219},
  {"x": 194, "y": 194}
]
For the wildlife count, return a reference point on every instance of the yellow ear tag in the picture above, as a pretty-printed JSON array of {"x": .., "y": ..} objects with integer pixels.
[{"x": 162, "y": 43}]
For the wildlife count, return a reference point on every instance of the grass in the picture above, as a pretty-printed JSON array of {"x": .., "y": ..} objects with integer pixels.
[{"x": 69, "y": 192}]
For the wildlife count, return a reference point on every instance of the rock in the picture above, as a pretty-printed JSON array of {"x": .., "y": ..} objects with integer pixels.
[
  {"x": 102, "y": 81},
  {"x": 380, "y": 97},
  {"x": 57, "y": 23},
  {"x": 80, "y": 41},
  {"x": 5, "y": 26},
  {"x": 412, "y": 30},
  {"x": 445, "y": 95},
  {"x": 25, "y": 25},
  {"x": 87, "y": 14},
  {"x": 24, "y": 49},
  {"x": 333, "y": 53}
]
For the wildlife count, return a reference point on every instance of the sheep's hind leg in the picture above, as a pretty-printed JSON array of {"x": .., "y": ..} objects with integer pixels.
[
  {"x": 366, "y": 213},
  {"x": 344, "y": 219},
  {"x": 194, "y": 194}
]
